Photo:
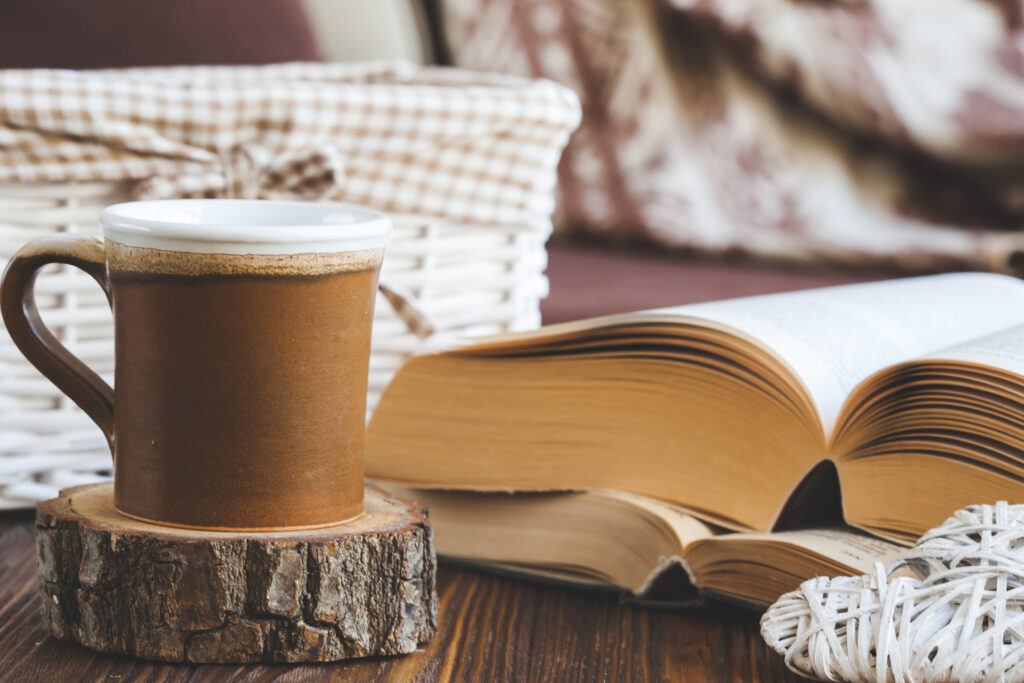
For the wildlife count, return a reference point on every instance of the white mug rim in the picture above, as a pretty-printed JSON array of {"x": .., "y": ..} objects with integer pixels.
[{"x": 245, "y": 226}]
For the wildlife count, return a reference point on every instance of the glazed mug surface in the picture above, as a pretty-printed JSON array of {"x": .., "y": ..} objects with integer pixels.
[{"x": 242, "y": 342}]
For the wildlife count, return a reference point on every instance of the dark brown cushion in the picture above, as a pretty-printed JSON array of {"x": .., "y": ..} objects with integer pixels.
[
  {"x": 90, "y": 34},
  {"x": 588, "y": 281}
]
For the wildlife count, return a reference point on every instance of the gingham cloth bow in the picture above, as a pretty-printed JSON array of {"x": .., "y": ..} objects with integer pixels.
[
  {"x": 255, "y": 172},
  {"x": 461, "y": 146}
]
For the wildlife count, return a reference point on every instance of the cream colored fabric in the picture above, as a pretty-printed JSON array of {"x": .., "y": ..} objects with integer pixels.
[
  {"x": 352, "y": 30},
  {"x": 432, "y": 141}
]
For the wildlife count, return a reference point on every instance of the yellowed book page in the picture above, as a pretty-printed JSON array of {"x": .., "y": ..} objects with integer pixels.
[
  {"x": 1003, "y": 350},
  {"x": 832, "y": 338},
  {"x": 618, "y": 537},
  {"x": 686, "y": 527},
  {"x": 850, "y": 548}
]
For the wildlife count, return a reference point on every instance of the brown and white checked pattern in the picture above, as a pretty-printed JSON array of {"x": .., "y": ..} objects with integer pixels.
[
  {"x": 395, "y": 136},
  {"x": 463, "y": 162},
  {"x": 252, "y": 172}
]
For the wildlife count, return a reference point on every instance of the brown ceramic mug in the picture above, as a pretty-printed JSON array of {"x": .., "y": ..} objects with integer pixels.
[{"x": 242, "y": 343}]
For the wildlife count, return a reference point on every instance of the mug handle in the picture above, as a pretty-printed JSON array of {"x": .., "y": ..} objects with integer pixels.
[{"x": 36, "y": 342}]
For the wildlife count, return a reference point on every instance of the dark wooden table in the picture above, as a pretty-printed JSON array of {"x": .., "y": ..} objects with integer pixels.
[{"x": 492, "y": 629}]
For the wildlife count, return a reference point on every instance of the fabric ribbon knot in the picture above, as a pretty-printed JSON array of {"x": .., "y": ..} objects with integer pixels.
[{"x": 254, "y": 172}]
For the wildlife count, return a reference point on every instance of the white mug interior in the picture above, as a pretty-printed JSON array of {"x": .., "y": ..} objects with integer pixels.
[{"x": 245, "y": 226}]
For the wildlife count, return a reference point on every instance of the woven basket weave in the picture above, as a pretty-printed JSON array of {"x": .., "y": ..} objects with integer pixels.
[{"x": 468, "y": 279}]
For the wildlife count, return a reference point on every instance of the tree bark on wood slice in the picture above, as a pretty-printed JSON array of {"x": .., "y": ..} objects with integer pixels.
[{"x": 111, "y": 583}]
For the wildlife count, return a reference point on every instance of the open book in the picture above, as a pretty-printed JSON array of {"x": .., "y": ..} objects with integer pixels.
[
  {"x": 648, "y": 547},
  {"x": 912, "y": 389}
]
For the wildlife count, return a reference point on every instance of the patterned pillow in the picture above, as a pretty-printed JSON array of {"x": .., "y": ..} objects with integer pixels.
[{"x": 862, "y": 132}]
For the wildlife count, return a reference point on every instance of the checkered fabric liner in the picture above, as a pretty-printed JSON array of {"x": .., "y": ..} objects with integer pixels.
[
  {"x": 463, "y": 162},
  {"x": 395, "y": 136}
]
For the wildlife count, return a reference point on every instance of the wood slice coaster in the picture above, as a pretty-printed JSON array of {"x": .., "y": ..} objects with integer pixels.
[{"x": 111, "y": 583}]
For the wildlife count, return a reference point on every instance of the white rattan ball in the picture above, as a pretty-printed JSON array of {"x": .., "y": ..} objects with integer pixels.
[{"x": 960, "y": 619}]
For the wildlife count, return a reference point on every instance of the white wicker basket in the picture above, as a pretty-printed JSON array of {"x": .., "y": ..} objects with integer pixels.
[{"x": 468, "y": 279}]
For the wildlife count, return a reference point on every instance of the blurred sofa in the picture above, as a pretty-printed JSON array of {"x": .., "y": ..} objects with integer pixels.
[
  {"x": 868, "y": 133},
  {"x": 686, "y": 145}
]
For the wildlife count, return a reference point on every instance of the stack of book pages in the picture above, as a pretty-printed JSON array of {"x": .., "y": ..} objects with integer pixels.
[{"x": 751, "y": 443}]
